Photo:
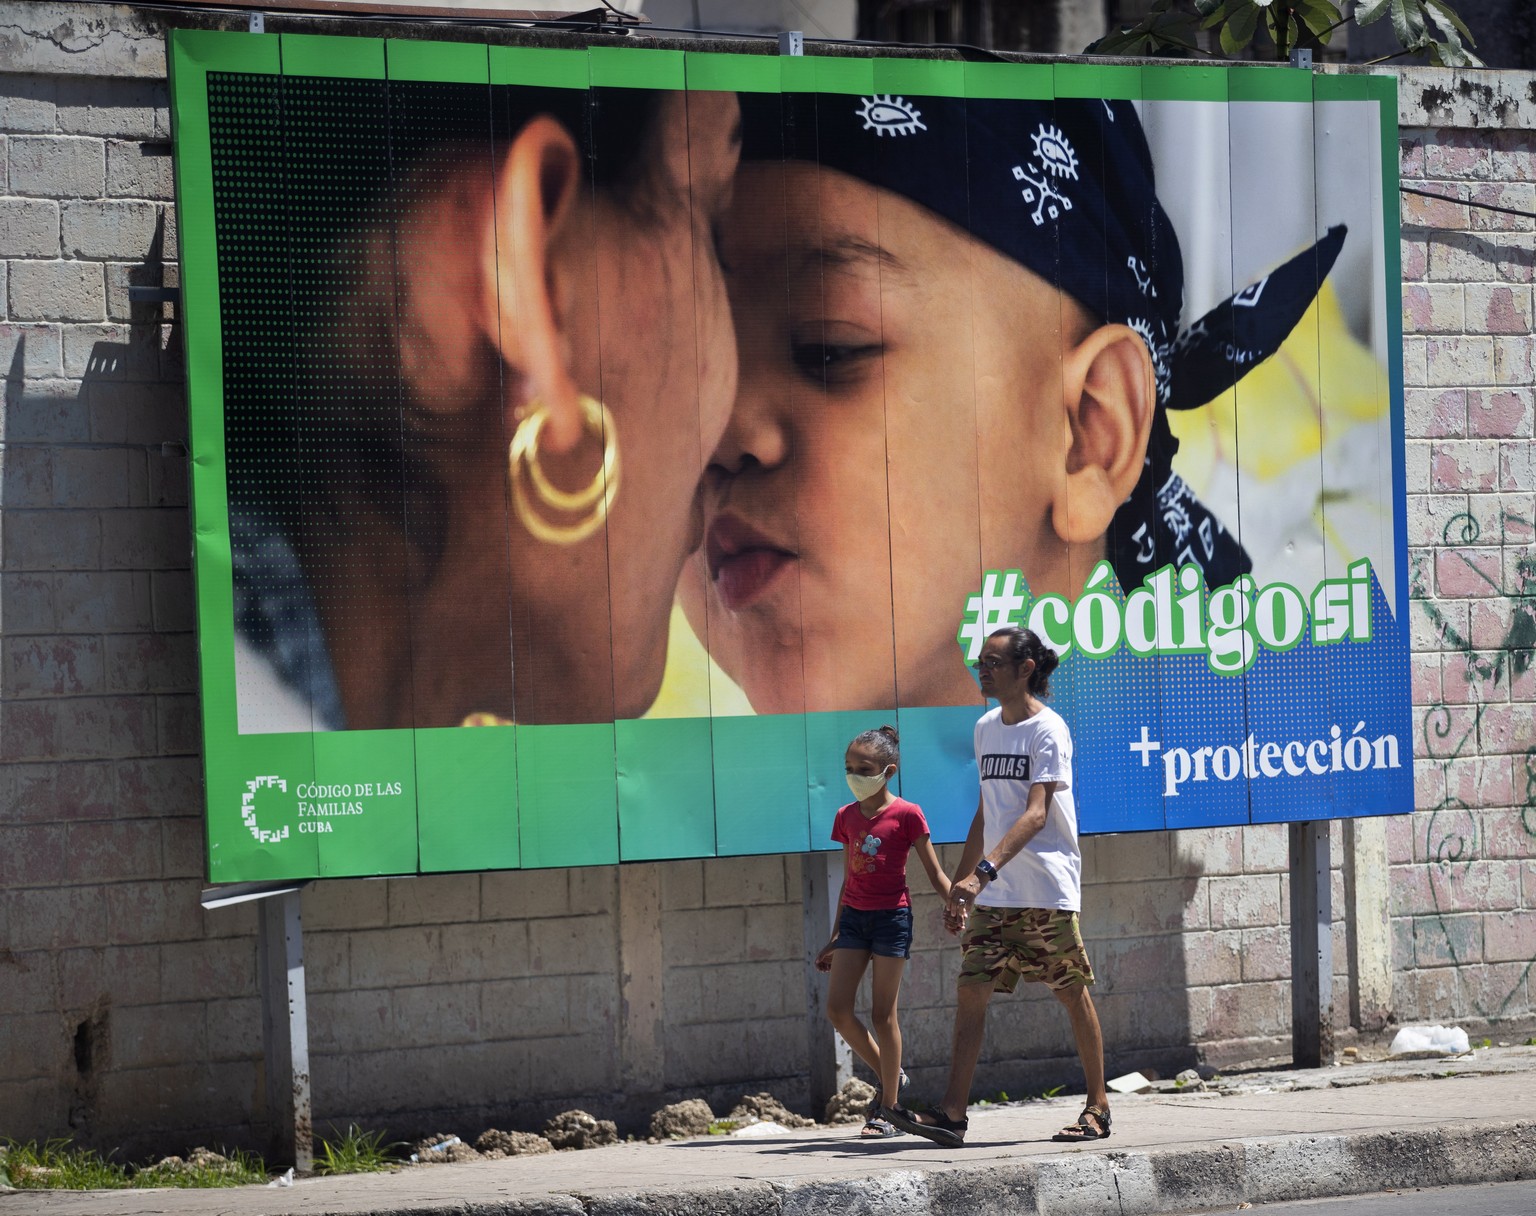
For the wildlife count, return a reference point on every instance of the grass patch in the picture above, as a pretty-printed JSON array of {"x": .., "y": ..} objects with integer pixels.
[
  {"x": 355, "y": 1152},
  {"x": 57, "y": 1165}
]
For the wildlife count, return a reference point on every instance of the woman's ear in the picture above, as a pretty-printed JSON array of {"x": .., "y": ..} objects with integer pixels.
[
  {"x": 1109, "y": 393},
  {"x": 529, "y": 294}
]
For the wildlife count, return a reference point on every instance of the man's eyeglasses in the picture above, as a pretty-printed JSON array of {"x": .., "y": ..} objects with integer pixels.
[{"x": 991, "y": 664}]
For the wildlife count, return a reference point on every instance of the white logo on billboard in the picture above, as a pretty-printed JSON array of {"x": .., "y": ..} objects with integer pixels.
[
  {"x": 248, "y": 809},
  {"x": 891, "y": 116},
  {"x": 1056, "y": 159}
]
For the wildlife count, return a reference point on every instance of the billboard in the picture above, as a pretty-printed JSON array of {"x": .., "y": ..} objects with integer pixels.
[{"x": 588, "y": 443}]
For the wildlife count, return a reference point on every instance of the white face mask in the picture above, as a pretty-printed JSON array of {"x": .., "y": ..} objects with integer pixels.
[{"x": 867, "y": 787}]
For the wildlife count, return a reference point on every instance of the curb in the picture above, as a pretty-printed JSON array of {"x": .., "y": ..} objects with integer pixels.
[{"x": 1095, "y": 1182}]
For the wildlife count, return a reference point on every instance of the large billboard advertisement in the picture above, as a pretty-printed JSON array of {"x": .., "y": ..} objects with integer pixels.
[{"x": 588, "y": 443}]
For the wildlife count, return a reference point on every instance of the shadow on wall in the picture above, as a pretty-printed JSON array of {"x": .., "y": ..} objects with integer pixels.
[{"x": 99, "y": 735}]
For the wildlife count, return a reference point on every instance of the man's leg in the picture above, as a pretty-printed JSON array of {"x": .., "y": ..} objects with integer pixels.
[
  {"x": 1090, "y": 1040},
  {"x": 970, "y": 1030}
]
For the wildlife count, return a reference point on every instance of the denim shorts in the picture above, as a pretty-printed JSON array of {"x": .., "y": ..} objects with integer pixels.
[{"x": 886, "y": 932}]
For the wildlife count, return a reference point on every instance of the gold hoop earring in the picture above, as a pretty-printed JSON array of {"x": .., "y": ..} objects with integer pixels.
[{"x": 595, "y": 499}]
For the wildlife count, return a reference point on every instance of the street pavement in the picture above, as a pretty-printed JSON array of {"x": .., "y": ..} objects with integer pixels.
[{"x": 1263, "y": 1138}]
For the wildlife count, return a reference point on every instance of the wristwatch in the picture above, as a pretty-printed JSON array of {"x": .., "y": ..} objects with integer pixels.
[{"x": 986, "y": 869}]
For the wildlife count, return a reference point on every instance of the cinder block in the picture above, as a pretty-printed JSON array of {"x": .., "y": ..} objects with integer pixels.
[
  {"x": 28, "y": 983},
  {"x": 121, "y": 276},
  {"x": 1430, "y": 413},
  {"x": 34, "y": 350},
  {"x": 103, "y": 601},
  {"x": 57, "y": 291},
  {"x": 101, "y": 976},
  {"x": 46, "y": 411},
  {"x": 51, "y": 540},
  {"x": 146, "y": 538},
  {"x": 1444, "y": 213},
  {"x": 1457, "y": 154},
  {"x": 111, "y": 852},
  {"x": 1507, "y": 729},
  {"x": 1245, "y": 902},
  {"x": 774, "y": 932},
  {"x": 346, "y": 903},
  {"x": 57, "y": 166},
  {"x": 594, "y": 1003},
  {"x": 145, "y": 1036},
  {"x": 1127, "y": 857},
  {"x": 130, "y": 413},
  {"x": 1459, "y": 361},
  {"x": 1513, "y": 360},
  {"x": 151, "y": 662},
  {"x": 90, "y": 477},
  {"x": 520, "y": 894},
  {"x": 31, "y": 856},
  {"x": 84, "y": 790},
  {"x": 572, "y": 946},
  {"x": 345, "y": 1022},
  {"x": 37, "y": 1045},
  {"x": 594, "y": 890},
  {"x": 434, "y": 899},
  {"x": 534, "y": 1008},
  {"x": 57, "y": 666},
  {"x": 178, "y": 724},
  {"x": 200, "y": 971},
  {"x": 737, "y": 881},
  {"x": 1467, "y": 573},
  {"x": 171, "y": 599},
  {"x": 441, "y": 1014},
  {"x": 390, "y": 958},
  {"x": 28, "y": 602},
  {"x": 682, "y": 885},
  {"x": 54, "y": 918},
  {"x": 1415, "y": 365},
  {"x": 234, "y": 1029},
  {"x": 1464, "y": 464},
  {"x": 29, "y": 228},
  {"x": 28, "y": 478},
  {"x": 135, "y": 170},
  {"x": 126, "y": 109},
  {"x": 29, "y": 103},
  {"x": 141, "y": 913},
  {"x": 1500, "y": 413},
  {"x": 109, "y": 229},
  {"x": 183, "y": 852},
  {"x": 1428, "y": 308}
]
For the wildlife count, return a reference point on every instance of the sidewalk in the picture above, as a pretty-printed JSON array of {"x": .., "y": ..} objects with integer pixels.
[{"x": 1273, "y": 1136}]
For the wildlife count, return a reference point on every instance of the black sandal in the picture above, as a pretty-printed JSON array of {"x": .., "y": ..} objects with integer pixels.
[
  {"x": 1092, "y": 1124},
  {"x": 943, "y": 1131},
  {"x": 876, "y": 1128}
]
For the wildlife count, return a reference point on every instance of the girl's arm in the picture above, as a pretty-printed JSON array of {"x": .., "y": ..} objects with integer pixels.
[
  {"x": 824, "y": 955},
  {"x": 930, "y": 859}
]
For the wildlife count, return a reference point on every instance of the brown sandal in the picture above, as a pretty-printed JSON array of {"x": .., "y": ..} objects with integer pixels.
[{"x": 1092, "y": 1124}]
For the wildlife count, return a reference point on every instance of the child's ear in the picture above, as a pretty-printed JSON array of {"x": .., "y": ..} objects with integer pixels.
[
  {"x": 529, "y": 293},
  {"x": 1109, "y": 393}
]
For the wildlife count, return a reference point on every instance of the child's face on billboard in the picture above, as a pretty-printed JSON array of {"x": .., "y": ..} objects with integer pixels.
[{"x": 899, "y": 427}]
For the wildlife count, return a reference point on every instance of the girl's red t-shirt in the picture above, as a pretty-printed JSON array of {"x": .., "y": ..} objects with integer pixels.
[{"x": 877, "y": 864}]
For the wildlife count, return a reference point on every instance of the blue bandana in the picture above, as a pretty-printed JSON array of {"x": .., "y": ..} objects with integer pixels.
[{"x": 1065, "y": 187}]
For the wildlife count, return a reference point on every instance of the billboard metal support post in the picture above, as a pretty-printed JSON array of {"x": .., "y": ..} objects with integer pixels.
[
  {"x": 1311, "y": 946},
  {"x": 831, "y": 1059},
  {"x": 285, "y": 1029}
]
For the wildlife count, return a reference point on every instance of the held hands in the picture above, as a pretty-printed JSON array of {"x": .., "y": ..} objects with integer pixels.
[{"x": 962, "y": 895}]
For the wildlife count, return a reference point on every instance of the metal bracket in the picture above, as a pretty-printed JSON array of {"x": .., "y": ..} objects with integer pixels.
[
  {"x": 1301, "y": 57},
  {"x": 258, "y": 23},
  {"x": 791, "y": 42},
  {"x": 154, "y": 295}
]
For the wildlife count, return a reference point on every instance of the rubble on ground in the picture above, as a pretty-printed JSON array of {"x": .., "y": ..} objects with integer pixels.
[
  {"x": 577, "y": 1129},
  {"x": 442, "y": 1148},
  {"x": 765, "y": 1108},
  {"x": 494, "y": 1144},
  {"x": 849, "y": 1103},
  {"x": 690, "y": 1117}
]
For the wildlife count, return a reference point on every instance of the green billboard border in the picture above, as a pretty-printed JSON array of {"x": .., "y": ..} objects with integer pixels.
[{"x": 551, "y": 760}]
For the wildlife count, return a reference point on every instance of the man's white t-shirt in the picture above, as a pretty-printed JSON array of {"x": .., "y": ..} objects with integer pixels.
[{"x": 1048, "y": 871}]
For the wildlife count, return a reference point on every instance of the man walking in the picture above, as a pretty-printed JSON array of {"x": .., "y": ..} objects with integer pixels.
[{"x": 1022, "y": 872}]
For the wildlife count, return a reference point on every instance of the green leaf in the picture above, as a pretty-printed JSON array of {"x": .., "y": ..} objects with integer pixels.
[
  {"x": 1320, "y": 17},
  {"x": 1215, "y": 14},
  {"x": 1367, "y": 11},
  {"x": 1239, "y": 31},
  {"x": 1445, "y": 17},
  {"x": 1408, "y": 23}
]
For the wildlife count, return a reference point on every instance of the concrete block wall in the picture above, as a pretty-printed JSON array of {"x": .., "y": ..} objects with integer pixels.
[{"x": 128, "y": 1016}]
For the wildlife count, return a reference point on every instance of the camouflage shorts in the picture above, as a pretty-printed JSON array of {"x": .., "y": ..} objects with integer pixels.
[{"x": 1006, "y": 945}]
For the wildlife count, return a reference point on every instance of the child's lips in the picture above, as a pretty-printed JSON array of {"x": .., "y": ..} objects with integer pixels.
[{"x": 743, "y": 562}]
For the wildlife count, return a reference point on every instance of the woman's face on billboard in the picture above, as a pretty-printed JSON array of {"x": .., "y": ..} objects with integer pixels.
[{"x": 899, "y": 427}]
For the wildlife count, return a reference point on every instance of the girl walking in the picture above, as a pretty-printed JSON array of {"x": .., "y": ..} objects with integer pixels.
[{"x": 874, "y": 911}]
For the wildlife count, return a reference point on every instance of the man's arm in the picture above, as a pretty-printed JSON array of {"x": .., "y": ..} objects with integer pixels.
[{"x": 968, "y": 884}]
